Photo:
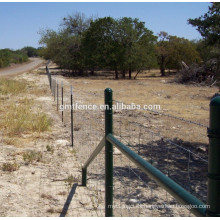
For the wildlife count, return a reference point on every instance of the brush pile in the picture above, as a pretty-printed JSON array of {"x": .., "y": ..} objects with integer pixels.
[{"x": 206, "y": 74}]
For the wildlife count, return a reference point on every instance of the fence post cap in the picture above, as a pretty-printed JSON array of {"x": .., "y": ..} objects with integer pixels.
[
  {"x": 108, "y": 90},
  {"x": 215, "y": 101}
]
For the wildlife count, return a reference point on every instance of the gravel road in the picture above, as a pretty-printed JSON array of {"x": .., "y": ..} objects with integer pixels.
[{"x": 21, "y": 68}]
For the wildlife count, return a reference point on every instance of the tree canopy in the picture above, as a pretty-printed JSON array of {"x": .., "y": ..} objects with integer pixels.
[
  {"x": 125, "y": 45},
  {"x": 208, "y": 25},
  {"x": 8, "y": 57},
  {"x": 172, "y": 50}
]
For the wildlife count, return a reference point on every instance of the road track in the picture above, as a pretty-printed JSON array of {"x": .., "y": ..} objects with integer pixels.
[{"x": 21, "y": 68}]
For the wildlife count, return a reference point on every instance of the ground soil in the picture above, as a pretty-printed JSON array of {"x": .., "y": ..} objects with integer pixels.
[{"x": 52, "y": 187}]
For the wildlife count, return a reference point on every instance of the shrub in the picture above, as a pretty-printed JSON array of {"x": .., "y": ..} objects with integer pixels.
[
  {"x": 10, "y": 167},
  {"x": 32, "y": 156}
]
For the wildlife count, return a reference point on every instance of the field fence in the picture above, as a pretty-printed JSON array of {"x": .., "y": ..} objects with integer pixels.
[
  {"x": 184, "y": 159},
  {"x": 148, "y": 133}
]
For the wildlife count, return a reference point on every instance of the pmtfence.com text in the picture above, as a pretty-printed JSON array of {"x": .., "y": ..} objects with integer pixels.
[
  {"x": 159, "y": 207},
  {"x": 117, "y": 106}
]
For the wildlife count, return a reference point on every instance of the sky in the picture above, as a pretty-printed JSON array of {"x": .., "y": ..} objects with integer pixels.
[{"x": 20, "y": 22}]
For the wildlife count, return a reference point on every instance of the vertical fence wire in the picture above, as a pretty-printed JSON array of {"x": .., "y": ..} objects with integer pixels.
[
  {"x": 181, "y": 159},
  {"x": 149, "y": 135}
]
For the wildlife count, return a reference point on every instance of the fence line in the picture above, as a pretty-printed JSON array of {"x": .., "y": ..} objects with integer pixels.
[
  {"x": 113, "y": 140},
  {"x": 168, "y": 115}
]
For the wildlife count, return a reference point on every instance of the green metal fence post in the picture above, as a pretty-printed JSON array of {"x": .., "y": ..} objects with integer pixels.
[
  {"x": 108, "y": 155},
  {"x": 84, "y": 176},
  {"x": 214, "y": 159}
]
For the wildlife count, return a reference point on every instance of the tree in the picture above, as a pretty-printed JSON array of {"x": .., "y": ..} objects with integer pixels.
[
  {"x": 8, "y": 56},
  {"x": 173, "y": 50},
  {"x": 101, "y": 45},
  {"x": 124, "y": 44},
  {"x": 76, "y": 24},
  {"x": 30, "y": 51},
  {"x": 208, "y": 25},
  {"x": 137, "y": 45},
  {"x": 64, "y": 46},
  {"x": 181, "y": 49},
  {"x": 163, "y": 50}
]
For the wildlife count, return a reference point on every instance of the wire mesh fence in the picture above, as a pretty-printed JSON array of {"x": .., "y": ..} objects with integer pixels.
[
  {"x": 148, "y": 133},
  {"x": 181, "y": 159}
]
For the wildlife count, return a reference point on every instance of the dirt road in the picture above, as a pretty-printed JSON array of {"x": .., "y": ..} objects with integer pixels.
[{"x": 21, "y": 68}]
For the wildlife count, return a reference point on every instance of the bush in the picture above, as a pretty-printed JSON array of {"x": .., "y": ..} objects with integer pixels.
[
  {"x": 8, "y": 56},
  {"x": 10, "y": 167},
  {"x": 32, "y": 157}
]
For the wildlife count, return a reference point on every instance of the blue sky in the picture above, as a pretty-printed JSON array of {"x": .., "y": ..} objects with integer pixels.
[{"x": 20, "y": 22}]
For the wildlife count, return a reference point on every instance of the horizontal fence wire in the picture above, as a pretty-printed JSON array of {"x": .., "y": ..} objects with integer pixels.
[
  {"x": 88, "y": 128},
  {"x": 183, "y": 159},
  {"x": 168, "y": 115}
]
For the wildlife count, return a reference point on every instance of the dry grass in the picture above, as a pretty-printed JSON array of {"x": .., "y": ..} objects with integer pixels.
[
  {"x": 187, "y": 101},
  {"x": 32, "y": 157},
  {"x": 20, "y": 119},
  {"x": 8, "y": 86},
  {"x": 9, "y": 167},
  {"x": 183, "y": 101},
  {"x": 47, "y": 196}
]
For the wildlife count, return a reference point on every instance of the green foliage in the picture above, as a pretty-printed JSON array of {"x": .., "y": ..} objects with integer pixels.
[
  {"x": 64, "y": 46},
  {"x": 209, "y": 27},
  {"x": 8, "y": 56},
  {"x": 172, "y": 50},
  {"x": 30, "y": 51},
  {"x": 122, "y": 45},
  {"x": 209, "y": 24},
  {"x": 50, "y": 148},
  {"x": 181, "y": 49},
  {"x": 207, "y": 52}
]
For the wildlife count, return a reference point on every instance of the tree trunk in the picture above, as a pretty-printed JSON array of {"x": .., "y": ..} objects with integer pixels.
[
  {"x": 81, "y": 72},
  {"x": 162, "y": 66},
  {"x": 137, "y": 74},
  {"x": 123, "y": 74},
  {"x": 129, "y": 73},
  {"x": 116, "y": 72}
]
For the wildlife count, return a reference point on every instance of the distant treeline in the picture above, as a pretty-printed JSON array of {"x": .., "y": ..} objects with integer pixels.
[
  {"x": 8, "y": 56},
  {"x": 84, "y": 45},
  {"x": 123, "y": 45}
]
